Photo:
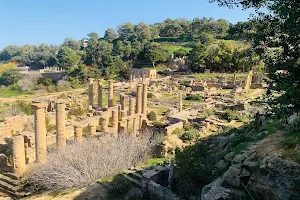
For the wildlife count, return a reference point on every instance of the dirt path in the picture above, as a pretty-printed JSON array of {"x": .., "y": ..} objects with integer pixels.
[{"x": 255, "y": 93}]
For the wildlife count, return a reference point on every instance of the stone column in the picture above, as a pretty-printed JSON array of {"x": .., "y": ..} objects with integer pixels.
[
  {"x": 115, "y": 119},
  {"x": 144, "y": 99},
  {"x": 60, "y": 125},
  {"x": 234, "y": 79},
  {"x": 91, "y": 92},
  {"x": 180, "y": 102},
  {"x": 104, "y": 124},
  {"x": 100, "y": 94},
  {"x": 18, "y": 156},
  {"x": 139, "y": 99},
  {"x": 78, "y": 133},
  {"x": 122, "y": 101},
  {"x": 110, "y": 93},
  {"x": 249, "y": 80},
  {"x": 131, "y": 106},
  {"x": 92, "y": 129},
  {"x": 134, "y": 126},
  {"x": 40, "y": 132}
]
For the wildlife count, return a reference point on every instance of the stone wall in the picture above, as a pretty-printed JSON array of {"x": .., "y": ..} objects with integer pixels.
[
  {"x": 159, "y": 192},
  {"x": 11, "y": 125},
  {"x": 173, "y": 127}
]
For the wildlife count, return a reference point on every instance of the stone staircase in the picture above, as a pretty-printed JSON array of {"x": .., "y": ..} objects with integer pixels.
[
  {"x": 11, "y": 185},
  {"x": 135, "y": 177}
]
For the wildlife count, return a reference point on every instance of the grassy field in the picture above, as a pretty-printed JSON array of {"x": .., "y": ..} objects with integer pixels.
[
  {"x": 173, "y": 48},
  {"x": 11, "y": 91}
]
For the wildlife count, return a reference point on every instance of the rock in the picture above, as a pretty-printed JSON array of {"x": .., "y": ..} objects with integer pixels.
[
  {"x": 245, "y": 173},
  {"x": 276, "y": 179},
  {"x": 222, "y": 165},
  {"x": 214, "y": 191},
  {"x": 3, "y": 160},
  {"x": 232, "y": 176},
  {"x": 239, "y": 159},
  {"x": 229, "y": 157},
  {"x": 251, "y": 165}
]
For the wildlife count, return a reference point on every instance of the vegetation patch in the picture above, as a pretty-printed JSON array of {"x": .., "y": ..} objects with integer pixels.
[{"x": 194, "y": 98}]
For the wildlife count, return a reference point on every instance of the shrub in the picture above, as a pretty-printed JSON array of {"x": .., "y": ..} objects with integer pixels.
[
  {"x": 178, "y": 132},
  {"x": 96, "y": 158},
  {"x": 235, "y": 115},
  {"x": 158, "y": 124},
  {"x": 63, "y": 85},
  {"x": 77, "y": 112},
  {"x": 294, "y": 126},
  {"x": 119, "y": 185},
  {"x": 48, "y": 82},
  {"x": 49, "y": 127},
  {"x": 151, "y": 116},
  {"x": 149, "y": 95},
  {"x": 20, "y": 106},
  {"x": 192, "y": 169},
  {"x": 194, "y": 98},
  {"x": 190, "y": 134},
  {"x": 208, "y": 112}
]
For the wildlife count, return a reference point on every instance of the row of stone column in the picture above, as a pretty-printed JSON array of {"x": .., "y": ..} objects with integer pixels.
[{"x": 100, "y": 93}]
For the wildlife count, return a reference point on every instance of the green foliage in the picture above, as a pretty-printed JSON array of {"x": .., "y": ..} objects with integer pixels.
[
  {"x": 149, "y": 95},
  {"x": 178, "y": 132},
  {"x": 190, "y": 134},
  {"x": 197, "y": 56},
  {"x": 151, "y": 116},
  {"x": 193, "y": 167},
  {"x": 10, "y": 76},
  {"x": 119, "y": 185},
  {"x": 23, "y": 106},
  {"x": 12, "y": 90},
  {"x": 235, "y": 115},
  {"x": 48, "y": 82},
  {"x": 294, "y": 126},
  {"x": 194, "y": 98},
  {"x": 77, "y": 112},
  {"x": 158, "y": 124},
  {"x": 291, "y": 140},
  {"x": 208, "y": 112},
  {"x": 67, "y": 58}
]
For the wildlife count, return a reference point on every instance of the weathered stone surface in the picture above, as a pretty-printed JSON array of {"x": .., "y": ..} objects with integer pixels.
[
  {"x": 232, "y": 176},
  {"x": 239, "y": 158},
  {"x": 3, "y": 160},
  {"x": 222, "y": 165},
  {"x": 214, "y": 191},
  {"x": 276, "y": 179},
  {"x": 229, "y": 157}
]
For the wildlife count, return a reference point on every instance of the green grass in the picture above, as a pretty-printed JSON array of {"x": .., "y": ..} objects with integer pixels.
[
  {"x": 291, "y": 140},
  {"x": 11, "y": 91},
  {"x": 173, "y": 48}
]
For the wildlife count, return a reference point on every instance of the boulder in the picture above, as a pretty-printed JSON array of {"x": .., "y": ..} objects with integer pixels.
[
  {"x": 222, "y": 165},
  {"x": 214, "y": 191},
  {"x": 232, "y": 176},
  {"x": 276, "y": 179}
]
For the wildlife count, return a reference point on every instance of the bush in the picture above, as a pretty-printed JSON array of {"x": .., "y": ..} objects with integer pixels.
[
  {"x": 235, "y": 115},
  {"x": 192, "y": 169},
  {"x": 178, "y": 132},
  {"x": 158, "y": 124},
  {"x": 151, "y": 116},
  {"x": 48, "y": 82},
  {"x": 119, "y": 185},
  {"x": 96, "y": 158},
  {"x": 294, "y": 126},
  {"x": 77, "y": 112},
  {"x": 149, "y": 95},
  {"x": 190, "y": 134},
  {"x": 20, "y": 106},
  {"x": 194, "y": 98},
  {"x": 208, "y": 112}
]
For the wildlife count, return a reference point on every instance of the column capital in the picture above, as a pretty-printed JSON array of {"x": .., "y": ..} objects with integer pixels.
[
  {"x": 78, "y": 126},
  {"x": 38, "y": 105},
  {"x": 91, "y": 80},
  {"x": 60, "y": 101}
]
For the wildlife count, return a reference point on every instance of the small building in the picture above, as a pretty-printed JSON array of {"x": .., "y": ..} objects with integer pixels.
[{"x": 148, "y": 73}]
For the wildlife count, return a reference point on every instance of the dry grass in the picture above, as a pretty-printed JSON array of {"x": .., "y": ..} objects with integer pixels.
[{"x": 94, "y": 159}]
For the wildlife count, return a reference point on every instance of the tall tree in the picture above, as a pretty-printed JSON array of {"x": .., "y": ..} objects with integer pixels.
[
  {"x": 71, "y": 43},
  {"x": 197, "y": 56},
  {"x": 67, "y": 58},
  {"x": 110, "y": 35}
]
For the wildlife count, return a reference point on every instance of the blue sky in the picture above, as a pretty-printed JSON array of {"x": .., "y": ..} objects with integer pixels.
[{"x": 51, "y": 21}]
